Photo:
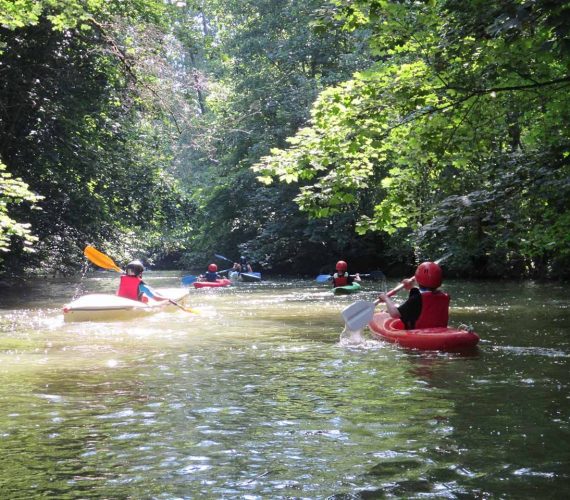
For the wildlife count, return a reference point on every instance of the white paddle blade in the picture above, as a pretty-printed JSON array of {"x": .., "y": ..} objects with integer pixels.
[{"x": 358, "y": 315}]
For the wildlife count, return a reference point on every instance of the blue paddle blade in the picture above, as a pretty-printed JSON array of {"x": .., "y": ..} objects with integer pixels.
[
  {"x": 321, "y": 278},
  {"x": 188, "y": 280},
  {"x": 222, "y": 257}
]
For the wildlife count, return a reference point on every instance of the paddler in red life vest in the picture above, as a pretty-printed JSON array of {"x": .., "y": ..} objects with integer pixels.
[
  {"x": 133, "y": 287},
  {"x": 426, "y": 307},
  {"x": 341, "y": 277}
]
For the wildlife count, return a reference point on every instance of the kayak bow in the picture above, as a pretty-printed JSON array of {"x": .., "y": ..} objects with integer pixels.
[
  {"x": 385, "y": 327},
  {"x": 347, "y": 289},
  {"x": 107, "y": 307}
]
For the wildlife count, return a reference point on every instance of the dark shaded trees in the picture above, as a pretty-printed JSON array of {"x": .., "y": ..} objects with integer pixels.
[
  {"x": 270, "y": 61},
  {"x": 400, "y": 130},
  {"x": 82, "y": 123}
]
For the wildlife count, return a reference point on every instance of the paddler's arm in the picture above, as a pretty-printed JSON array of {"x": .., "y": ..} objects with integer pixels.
[
  {"x": 149, "y": 292},
  {"x": 392, "y": 309},
  {"x": 390, "y": 306}
]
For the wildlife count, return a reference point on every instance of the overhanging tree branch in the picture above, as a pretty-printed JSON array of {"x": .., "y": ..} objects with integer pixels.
[
  {"x": 129, "y": 68},
  {"x": 430, "y": 110},
  {"x": 512, "y": 88}
]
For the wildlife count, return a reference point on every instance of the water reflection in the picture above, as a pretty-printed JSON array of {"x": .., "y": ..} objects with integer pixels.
[{"x": 259, "y": 397}]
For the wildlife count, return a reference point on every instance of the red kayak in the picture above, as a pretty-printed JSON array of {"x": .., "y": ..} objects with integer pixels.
[
  {"x": 387, "y": 328},
  {"x": 212, "y": 284}
]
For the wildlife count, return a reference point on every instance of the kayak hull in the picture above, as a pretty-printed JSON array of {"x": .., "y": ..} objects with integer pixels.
[
  {"x": 107, "y": 307},
  {"x": 250, "y": 277},
  {"x": 387, "y": 328},
  {"x": 212, "y": 284},
  {"x": 245, "y": 277},
  {"x": 347, "y": 290}
]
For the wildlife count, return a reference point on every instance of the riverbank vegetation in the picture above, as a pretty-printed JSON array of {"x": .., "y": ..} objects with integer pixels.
[{"x": 293, "y": 132}]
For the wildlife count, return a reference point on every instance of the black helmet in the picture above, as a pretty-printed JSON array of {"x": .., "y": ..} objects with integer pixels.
[{"x": 135, "y": 268}]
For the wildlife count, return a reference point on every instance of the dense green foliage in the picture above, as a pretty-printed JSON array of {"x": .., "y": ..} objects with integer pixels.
[
  {"x": 399, "y": 130},
  {"x": 263, "y": 74},
  {"x": 14, "y": 191},
  {"x": 80, "y": 125},
  {"x": 458, "y": 134}
]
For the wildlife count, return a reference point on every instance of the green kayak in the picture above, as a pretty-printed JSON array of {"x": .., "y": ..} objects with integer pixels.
[{"x": 346, "y": 290}]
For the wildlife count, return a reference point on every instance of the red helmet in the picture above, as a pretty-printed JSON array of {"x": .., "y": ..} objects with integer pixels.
[
  {"x": 341, "y": 265},
  {"x": 429, "y": 275},
  {"x": 212, "y": 268}
]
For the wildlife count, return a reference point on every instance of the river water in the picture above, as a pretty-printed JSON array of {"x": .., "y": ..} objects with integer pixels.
[{"x": 256, "y": 397}]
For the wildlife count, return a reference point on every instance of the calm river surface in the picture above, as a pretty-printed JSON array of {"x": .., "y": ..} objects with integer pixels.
[{"x": 257, "y": 398}]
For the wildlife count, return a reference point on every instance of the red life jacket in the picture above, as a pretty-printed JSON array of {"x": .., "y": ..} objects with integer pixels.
[
  {"x": 340, "y": 280},
  {"x": 129, "y": 287},
  {"x": 435, "y": 310}
]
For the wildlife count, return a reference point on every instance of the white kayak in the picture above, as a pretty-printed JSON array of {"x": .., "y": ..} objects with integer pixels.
[{"x": 105, "y": 307}]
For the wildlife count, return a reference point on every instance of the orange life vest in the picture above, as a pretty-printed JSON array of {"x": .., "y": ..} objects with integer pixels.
[
  {"x": 340, "y": 280},
  {"x": 129, "y": 287},
  {"x": 435, "y": 310}
]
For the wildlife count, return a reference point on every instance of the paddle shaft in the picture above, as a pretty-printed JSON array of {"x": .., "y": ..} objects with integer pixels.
[
  {"x": 327, "y": 277},
  {"x": 225, "y": 270},
  {"x": 394, "y": 291},
  {"x": 173, "y": 302},
  {"x": 321, "y": 278}
]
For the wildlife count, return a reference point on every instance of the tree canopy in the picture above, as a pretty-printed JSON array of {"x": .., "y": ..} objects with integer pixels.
[
  {"x": 298, "y": 133},
  {"x": 457, "y": 136}
]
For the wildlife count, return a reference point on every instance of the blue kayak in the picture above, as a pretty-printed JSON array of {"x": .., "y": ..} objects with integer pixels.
[
  {"x": 245, "y": 277},
  {"x": 250, "y": 277}
]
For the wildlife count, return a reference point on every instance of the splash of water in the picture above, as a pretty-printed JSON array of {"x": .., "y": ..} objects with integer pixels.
[
  {"x": 79, "y": 289},
  {"x": 352, "y": 337}
]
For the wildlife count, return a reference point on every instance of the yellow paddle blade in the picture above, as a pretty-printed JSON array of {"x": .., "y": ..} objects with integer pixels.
[
  {"x": 184, "y": 308},
  {"x": 100, "y": 259}
]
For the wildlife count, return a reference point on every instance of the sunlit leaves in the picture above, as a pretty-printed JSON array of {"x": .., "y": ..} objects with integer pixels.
[
  {"x": 355, "y": 130},
  {"x": 14, "y": 192},
  {"x": 19, "y": 13},
  {"x": 83, "y": 124},
  {"x": 457, "y": 86}
]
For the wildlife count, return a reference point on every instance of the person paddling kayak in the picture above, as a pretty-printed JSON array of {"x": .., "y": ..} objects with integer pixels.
[
  {"x": 132, "y": 285},
  {"x": 211, "y": 275},
  {"x": 341, "y": 277},
  {"x": 244, "y": 265},
  {"x": 426, "y": 306}
]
